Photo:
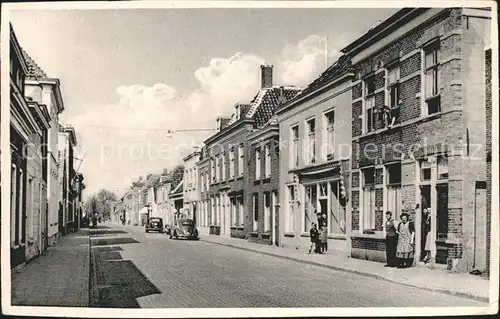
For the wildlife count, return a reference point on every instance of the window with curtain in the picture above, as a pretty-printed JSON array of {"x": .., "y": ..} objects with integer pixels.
[
  {"x": 368, "y": 198},
  {"x": 310, "y": 206}
]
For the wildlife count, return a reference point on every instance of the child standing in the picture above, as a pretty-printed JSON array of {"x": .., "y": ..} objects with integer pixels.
[{"x": 313, "y": 232}]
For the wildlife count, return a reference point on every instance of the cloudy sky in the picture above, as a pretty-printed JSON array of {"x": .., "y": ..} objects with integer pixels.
[{"x": 127, "y": 75}]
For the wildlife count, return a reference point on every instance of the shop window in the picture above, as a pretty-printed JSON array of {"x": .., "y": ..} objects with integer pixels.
[{"x": 310, "y": 206}]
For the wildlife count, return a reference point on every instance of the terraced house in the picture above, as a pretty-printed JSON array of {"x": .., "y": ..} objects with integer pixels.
[
  {"x": 314, "y": 127},
  {"x": 418, "y": 132},
  {"x": 231, "y": 212}
]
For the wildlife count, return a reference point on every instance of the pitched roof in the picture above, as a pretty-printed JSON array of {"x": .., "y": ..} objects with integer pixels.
[
  {"x": 341, "y": 66},
  {"x": 267, "y": 100},
  {"x": 34, "y": 70}
]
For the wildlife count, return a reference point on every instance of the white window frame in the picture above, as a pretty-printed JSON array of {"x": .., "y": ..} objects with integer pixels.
[
  {"x": 290, "y": 221},
  {"x": 31, "y": 209},
  {"x": 255, "y": 212},
  {"x": 392, "y": 188},
  {"x": 329, "y": 133},
  {"x": 395, "y": 106},
  {"x": 368, "y": 105},
  {"x": 240, "y": 160},
  {"x": 267, "y": 211},
  {"x": 241, "y": 204},
  {"x": 310, "y": 206},
  {"x": 294, "y": 150},
  {"x": 258, "y": 161},
  {"x": 267, "y": 169},
  {"x": 231, "y": 163},
  {"x": 21, "y": 203},
  {"x": 434, "y": 97},
  {"x": 212, "y": 170},
  {"x": 367, "y": 219},
  {"x": 311, "y": 141},
  {"x": 223, "y": 162}
]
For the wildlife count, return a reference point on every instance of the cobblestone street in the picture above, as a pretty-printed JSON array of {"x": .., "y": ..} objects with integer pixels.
[{"x": 134, "y": 269}]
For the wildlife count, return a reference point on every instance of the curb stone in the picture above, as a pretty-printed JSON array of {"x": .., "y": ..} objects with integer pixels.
[{"x": 357, "y": 272}]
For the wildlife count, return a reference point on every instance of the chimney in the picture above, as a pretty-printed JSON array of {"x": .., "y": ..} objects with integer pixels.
[
  {"x": 222, "y": 123},
  {"x": 266, "y": 76}
]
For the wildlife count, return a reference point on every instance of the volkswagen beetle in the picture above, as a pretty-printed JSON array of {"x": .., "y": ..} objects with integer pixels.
[{"x": 183, "y": 228}]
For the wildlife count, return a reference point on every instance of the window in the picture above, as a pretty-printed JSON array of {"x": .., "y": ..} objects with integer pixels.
[
  {"x": 231, "y": 163},
  {"x": 223, "y": 166},
  {"x": 393, "y": 94},
  {"x": 295, "y": 147},
  {"x": 369, "y": 102},
  {"x": 31, "y": 209},
  {"x": 240, "y": 160},
  {"x": 217, "y": 210},
  {"x": 311, "y": 141},
  {"x": 290, "y": 216},
  {"x": 369, "y": 117},
  {"x": 267, "y": 211},
  {"x": 267, "y": 166},
  {"x": 442, "y": 168},
  {"x": 239, "y": 199},
  {"x": 217, "y": 168},
  {"x": 257, "y": 164},
  {"x": 212, "y": 215},
  {"x": 21, "y": 207},
  {"x": 330, "y": 134},
  {"x": 337, "y": 214},
  {"x": 202, "y": 177},
  {"x": 255, "y": 201},
  {"x": 368, "y": 198},
  {"x": 425, "y": 170},
  {"x": 310, "y": 206},
  {"x": 212, "y": 169},
  {"x": 431, "y": 78},
  {"x": 233, "y": 210},
  {"x": 393, "y": 185},
  {"x": 369, "y": 84}
]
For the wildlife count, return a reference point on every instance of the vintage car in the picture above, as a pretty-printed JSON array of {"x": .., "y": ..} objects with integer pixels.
[
  {"x": 183, "y": 228},
  {"x": 154, "y": 224}
]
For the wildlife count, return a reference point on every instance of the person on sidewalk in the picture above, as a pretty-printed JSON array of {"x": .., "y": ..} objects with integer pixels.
[
  {"x": 406, "y": 239},
  {"x": 314, "y": 234},
  {"x": 426, "y": 235},
  {"x": 323, "y": 232},
  {"x": 391, "y": 240}
]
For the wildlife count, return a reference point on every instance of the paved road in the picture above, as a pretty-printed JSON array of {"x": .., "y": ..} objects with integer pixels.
[{"x": 134, "y": 269}]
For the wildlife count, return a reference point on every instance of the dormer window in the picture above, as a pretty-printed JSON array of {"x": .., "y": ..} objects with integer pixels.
[{"x": 237, "y": 111}]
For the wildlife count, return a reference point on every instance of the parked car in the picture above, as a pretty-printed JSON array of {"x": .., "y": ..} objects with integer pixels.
[
  {"x": 183, "y": 228},
  {"x": 154, "y": 224}
]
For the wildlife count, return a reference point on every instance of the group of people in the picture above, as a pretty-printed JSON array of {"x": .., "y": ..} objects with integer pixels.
[
  {"x": 400, "y": 239},
  {"x": 318, "y": 234}
]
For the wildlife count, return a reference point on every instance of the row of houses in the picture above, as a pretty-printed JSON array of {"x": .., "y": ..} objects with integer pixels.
[
  {"x": 156, "y": 195},
  {"x": 45, "y": 188},
  {"x": 398, "y": 123}
]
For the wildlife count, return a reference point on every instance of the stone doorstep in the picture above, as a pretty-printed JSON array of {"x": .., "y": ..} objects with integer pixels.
[{"x": 469, "y": 293}]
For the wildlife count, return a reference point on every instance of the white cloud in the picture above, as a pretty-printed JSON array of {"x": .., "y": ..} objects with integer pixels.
[
  {"x": 304, "y": 61},
  {"x": 222, "y": 83}
]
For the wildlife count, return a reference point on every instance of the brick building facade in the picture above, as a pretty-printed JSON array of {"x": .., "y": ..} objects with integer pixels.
[
  {"x": 315, "y": 127},
  {"x": 417, "y": 135},
  {"x": 263, "y": 183}
]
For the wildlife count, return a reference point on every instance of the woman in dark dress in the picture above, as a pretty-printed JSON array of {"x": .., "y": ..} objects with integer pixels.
[{"x": 391, "y": 240}]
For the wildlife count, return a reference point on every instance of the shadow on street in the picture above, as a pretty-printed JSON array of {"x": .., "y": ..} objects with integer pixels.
[{"x": 117, "y": 283}]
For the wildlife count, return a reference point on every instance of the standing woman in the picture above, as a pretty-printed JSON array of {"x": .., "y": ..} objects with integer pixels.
[
  {"x": 406, "y": 238},
  {"x": 427, "y": 233},
  {"x": 391, "y": 240}
]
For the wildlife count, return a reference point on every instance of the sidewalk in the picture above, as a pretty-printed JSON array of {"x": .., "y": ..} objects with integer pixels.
[
  {"x": 60, "y": 277},
  {"x": 419, "y": 277}
]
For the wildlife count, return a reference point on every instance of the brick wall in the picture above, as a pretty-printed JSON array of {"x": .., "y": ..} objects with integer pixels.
[
  {"x": 399, "y": 143},
  {"x": 262, "y": 186}
]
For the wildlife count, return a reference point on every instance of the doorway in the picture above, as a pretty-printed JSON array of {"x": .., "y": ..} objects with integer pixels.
[{"x": 425, "y": 222}]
